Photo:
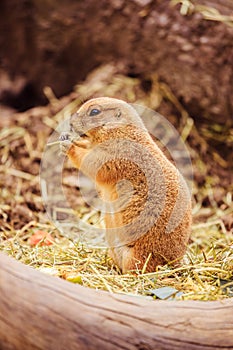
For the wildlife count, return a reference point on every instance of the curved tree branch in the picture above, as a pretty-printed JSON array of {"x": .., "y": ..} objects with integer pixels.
[{"x": 42, "y": 312}]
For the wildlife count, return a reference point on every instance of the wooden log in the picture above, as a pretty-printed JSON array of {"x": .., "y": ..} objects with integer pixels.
[{"x": 42, "y": 312}]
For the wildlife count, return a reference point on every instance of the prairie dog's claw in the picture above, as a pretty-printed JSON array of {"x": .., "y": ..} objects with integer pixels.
[{"x": 65, "y": 136}]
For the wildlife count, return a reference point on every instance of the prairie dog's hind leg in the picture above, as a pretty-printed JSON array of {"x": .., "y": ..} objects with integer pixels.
[{"x": 124, "y": 257}]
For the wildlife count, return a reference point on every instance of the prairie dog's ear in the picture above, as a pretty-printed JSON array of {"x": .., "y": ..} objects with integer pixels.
[{"x": 118, "y": 113}]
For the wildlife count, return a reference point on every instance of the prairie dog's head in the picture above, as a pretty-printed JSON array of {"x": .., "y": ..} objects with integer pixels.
[{"x": 104, "y": 113}]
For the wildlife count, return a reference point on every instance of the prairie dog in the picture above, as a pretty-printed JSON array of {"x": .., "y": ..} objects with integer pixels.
[{"x": 148, "y": 205}]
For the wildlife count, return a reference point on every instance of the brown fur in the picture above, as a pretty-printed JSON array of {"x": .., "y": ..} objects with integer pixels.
[{"x": 97, "y": 154}]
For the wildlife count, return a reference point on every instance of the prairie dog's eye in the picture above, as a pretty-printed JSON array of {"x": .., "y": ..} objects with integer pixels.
[{"x": 94, "y": 111}]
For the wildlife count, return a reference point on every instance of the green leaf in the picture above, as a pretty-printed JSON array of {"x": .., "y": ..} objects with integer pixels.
[{"x": 75, "y": 279}]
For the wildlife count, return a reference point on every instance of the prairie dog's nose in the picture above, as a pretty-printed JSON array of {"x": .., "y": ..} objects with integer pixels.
[{"x": 73, "y": 117}]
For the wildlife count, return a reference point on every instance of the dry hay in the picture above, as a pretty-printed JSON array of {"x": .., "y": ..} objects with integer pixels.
[
  {"x": 207, "y": 270},
  {"x": 188, "y": 7}
]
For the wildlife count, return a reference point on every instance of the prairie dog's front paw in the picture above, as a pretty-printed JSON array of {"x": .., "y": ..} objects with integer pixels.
[{"x": 65, "y": 142}]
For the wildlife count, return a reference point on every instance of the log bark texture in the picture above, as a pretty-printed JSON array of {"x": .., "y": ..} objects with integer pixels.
[
  {"x": 57, "y": 43},
  {"x": 42, "y": 312}
]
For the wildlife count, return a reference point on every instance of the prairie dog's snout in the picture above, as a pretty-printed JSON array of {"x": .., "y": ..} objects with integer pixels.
[{"x": 113, "y": 146}]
